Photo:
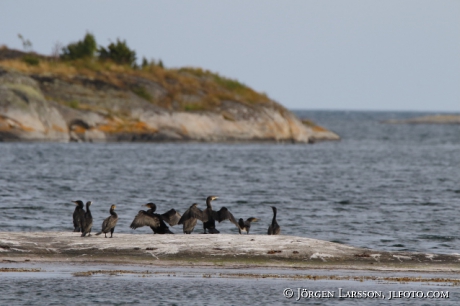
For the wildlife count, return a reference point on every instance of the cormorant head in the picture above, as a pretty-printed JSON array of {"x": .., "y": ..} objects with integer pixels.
[
  {"x": 113, "y": 207},
  {"x": 194, "y": 205},
  {"x": 78, "y": 203},
  {"x": 89, "y": 203},
  {"x": 252, "y": 219},
  {"x": 208, "y": 201},
  {"x": 152, "y": 206},
  {"x": 274, "y": 209}
]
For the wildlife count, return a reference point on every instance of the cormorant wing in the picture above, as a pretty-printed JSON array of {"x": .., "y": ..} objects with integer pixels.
[
  {"x": 109, "y": 223},
  {"x": 172, "y": 217},
  {"x": 224, "y": 214},
  {"x": 145, "y": 219},
  {"x": 193, "y": 213}
]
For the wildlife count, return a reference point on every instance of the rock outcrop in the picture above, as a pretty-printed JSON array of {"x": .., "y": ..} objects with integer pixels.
[
  {"x": 224, "y": 249},
  {"x": 48, "y": 105}
]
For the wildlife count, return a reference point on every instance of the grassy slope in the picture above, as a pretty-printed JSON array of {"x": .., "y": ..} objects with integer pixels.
[{"x": 208, "y": 88}]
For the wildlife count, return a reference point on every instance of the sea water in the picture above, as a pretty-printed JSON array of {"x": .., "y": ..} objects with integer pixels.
[{"x": 382, "y": 186}]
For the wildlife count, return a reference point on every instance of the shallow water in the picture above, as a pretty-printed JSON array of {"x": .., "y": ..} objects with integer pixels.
[{"x": 202, "y": 286}]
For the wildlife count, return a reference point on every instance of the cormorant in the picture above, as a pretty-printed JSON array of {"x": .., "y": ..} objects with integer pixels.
[
  {"x": 109, "y": 223},
  {"x": 274, "y": 228},
  {"x": 244, "y": 226},
  {"x": 78, "y": 216},
  {"x": 207, "y": 216},
  {"x": 156, "y": 221},
  {"x": 210, "y": 216},
  {"x": 190, "y": 217},
  {"x": 87, "y": 223}
]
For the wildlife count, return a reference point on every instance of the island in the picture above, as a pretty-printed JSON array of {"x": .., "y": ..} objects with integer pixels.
[{"x": 45, "y": 98}]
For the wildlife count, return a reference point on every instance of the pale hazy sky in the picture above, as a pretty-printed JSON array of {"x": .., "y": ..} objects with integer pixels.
[{"x": 348, "y": 55}]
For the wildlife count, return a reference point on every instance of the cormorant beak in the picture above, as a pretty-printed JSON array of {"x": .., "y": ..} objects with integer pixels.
[
  {"x": 214, "y": 198},
  {"x": 75, "y": 202},
  {"x": 255, "y": 220}
]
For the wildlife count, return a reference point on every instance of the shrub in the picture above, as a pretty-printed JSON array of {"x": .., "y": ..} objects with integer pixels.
[
  {"x": 142, "y": 93},
  {"x": 145, "y": 63},
  {"x": 74, "y": 104},
  {"x": 85, "y": 48},
  {"x": 119, "y": 53},
  {"x": 31, "y": 60}
]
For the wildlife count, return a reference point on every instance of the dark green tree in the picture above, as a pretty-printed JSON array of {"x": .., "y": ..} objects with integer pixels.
[
  {"x": 118, "y": 52},
  {"x": 145, "y": 63},
  {"x": 85, "y": 48}
]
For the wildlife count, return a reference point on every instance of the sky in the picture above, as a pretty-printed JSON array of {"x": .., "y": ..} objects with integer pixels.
[{"x": 328, "y": 55}]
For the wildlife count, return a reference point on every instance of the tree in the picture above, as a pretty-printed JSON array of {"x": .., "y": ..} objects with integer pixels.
[
  {"x": 119, "y": 53},
  {"x": 85, "y": 48},
  {"x": 26, "y": 44}
]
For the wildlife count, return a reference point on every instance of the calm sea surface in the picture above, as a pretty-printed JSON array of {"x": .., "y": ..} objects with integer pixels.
[{"x": 386, "y": 187}]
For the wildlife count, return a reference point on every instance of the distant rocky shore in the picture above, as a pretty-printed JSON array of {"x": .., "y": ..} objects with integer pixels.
[
  {"x": 59, "y": 101},
  {"x": 435, "y": 119}
]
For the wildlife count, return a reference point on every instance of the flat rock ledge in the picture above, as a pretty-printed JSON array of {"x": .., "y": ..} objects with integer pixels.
[{"x": 224, "y": 251}]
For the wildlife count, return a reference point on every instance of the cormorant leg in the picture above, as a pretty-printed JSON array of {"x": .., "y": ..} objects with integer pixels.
[
  {"x": 111, "y": 232},
  {"x": 239, "y": 231},
  {"x": 105, "y": 234}
]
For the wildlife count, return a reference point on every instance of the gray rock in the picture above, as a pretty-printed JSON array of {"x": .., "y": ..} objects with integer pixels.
[{"x": 79, "y": 108}]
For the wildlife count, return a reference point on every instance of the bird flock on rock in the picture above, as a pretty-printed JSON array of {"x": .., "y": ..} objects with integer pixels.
[{"x": 83, "y": 220}]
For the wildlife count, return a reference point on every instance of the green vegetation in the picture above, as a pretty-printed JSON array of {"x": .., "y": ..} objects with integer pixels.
[
  {"x": 229, "y": 84},
  {"x": 74, "y": 104},
  {"x": 119, "y": 53},
  {"x": 187, "y": 89},
  {"x": 85, "y": 48},
  {"x": 142, "y": 93},
  {"x": 30, "y": 59},
  {"x": 193, "y": 107}
]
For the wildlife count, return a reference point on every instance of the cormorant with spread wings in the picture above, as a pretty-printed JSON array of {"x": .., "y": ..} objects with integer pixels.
[
  {"x": 156, "y": 221},
  {"x": 207, "y": 216}
]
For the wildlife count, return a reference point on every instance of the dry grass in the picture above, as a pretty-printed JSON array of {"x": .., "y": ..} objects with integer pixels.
[
  {"x": 313, "y": 126},
  {"x": 210, "y": 87},
  {"x": 135, "y": 127}
]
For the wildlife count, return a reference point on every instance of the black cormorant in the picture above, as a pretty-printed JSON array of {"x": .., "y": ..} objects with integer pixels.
[
  {"x": 244, "y": 226},
  {"x": 78, "y": 216},
  {"x": 156, "y": 221},
  {"x": 210, "y": 216},
  {"x": 274, "y": 228},
  {"x": 207, "y": 216},
  {"x": 109, "y": 223},
  {"x": 87, "y": 221},
  {"x": 190, "y": 217}
]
